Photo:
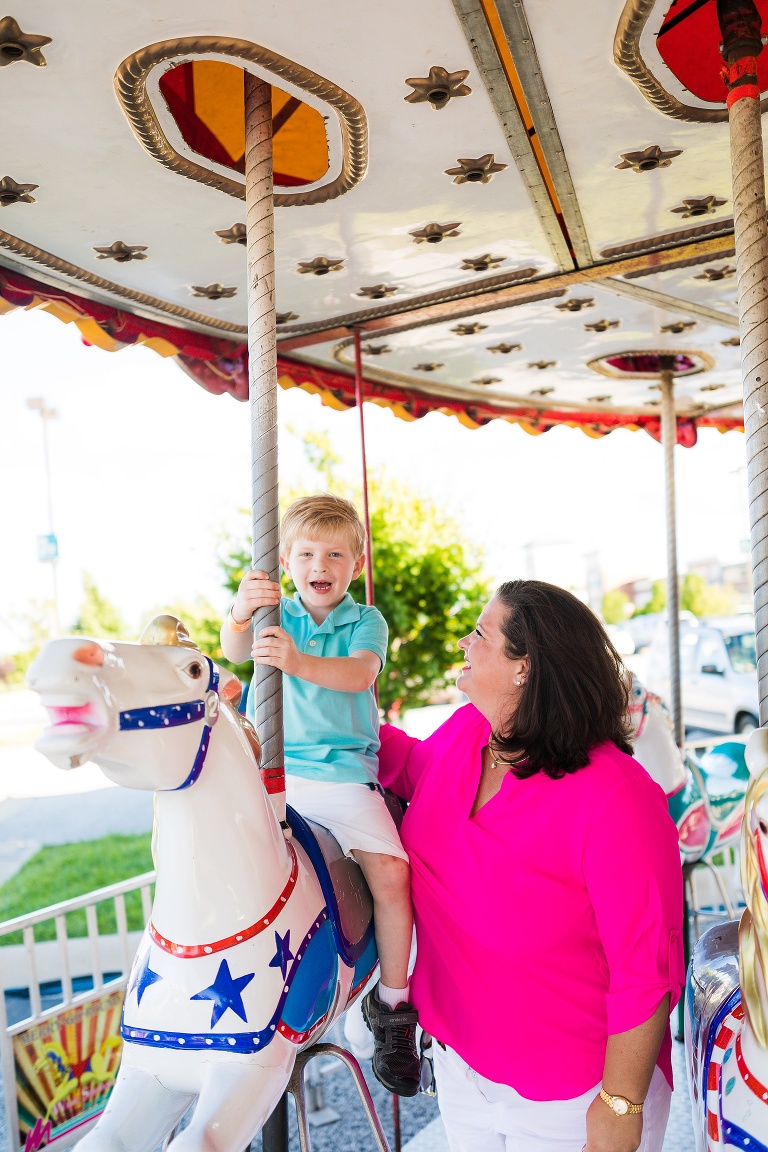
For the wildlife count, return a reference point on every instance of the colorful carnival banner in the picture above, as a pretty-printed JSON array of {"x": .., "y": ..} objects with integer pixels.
[{"x": 65, "y": 1070}]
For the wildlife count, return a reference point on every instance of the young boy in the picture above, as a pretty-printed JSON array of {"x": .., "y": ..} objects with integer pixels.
[{"x": 330, "y": 651}]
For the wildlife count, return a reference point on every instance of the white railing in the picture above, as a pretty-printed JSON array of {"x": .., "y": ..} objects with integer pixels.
[
  {"x": 707, "y": 743},
  {"x": 33, "y": 963}
]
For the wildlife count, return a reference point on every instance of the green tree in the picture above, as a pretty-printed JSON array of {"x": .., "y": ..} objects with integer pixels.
[
  {"x": 428, "y": 579},
  {"x": 704, "y": 599},
  {"x": 658, "y": 600},
  {"x": 614, "y": 606},
  {"x": 98, "y": 617}
]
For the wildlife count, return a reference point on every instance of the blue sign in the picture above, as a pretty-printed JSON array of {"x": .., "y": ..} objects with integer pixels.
[{"x": 48, "y": 548}]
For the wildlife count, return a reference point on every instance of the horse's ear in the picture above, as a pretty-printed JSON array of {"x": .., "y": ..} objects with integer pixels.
[
  {"x": 169, "y": 631},
  {"x": 231, "y": 691},
  {"x": 756, "y": 754}
]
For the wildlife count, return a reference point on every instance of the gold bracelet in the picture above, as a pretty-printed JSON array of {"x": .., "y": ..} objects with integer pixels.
[{"x": 236, "y": 626}]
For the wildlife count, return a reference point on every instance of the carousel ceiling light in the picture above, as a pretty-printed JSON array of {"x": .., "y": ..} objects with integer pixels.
[
  {"x": 649, "y": 159},
  {"x": 437, "y": 88},
  {"x": 433, "y": 367},
  {"x": 320, "y": 266},
  {"x": 541, "y": 391},
  {"x": 576, "y": 304},
  {"x": 505, "y": 349},
  {"x": 378, "y": 291},
  {"x": 481, "y": 263},
  {"x": 678, "y": 326},
  {"x": 487, "y": 381},
  {"x": 478, "y": 171},
  {"x": 731, "y": 342},
  {"x": 285, "y": 317},
  {"x": 213, "y": 291},
  {"x": 17, "y": 45},
  {"x": 597, "y": 399},
  {"x": 601, "y": 325},
  {"x": 716, "y": 273},
  {"x": 434, "y": 233},
  {"x": 468, "y": 329},
  {"x": 233, "y": 235},
  {"x": 122, "y": 253},
  {"x": 698, "y": 206},
  {"x": 375, "y": 349},
  {"x": 13, "y": 193},
  {"x": 712, "y": 387},
  {"x": 542, "y": 364}
]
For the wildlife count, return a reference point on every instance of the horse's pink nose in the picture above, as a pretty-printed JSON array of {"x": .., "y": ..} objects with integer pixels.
[{"x": 92, "y": 654}]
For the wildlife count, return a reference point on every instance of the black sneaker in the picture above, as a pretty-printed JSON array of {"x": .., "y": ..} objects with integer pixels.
[{"x": 395, "y": 1059}]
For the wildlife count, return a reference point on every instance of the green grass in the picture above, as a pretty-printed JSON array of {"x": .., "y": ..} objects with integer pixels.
[{"x": 68, "y": 870}]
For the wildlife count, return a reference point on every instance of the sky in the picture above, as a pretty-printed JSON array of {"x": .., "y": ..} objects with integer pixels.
[{"x": 148, "y": 471}]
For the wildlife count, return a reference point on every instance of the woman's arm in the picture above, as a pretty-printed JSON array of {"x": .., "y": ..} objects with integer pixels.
[
  {"x": 402, "y": 760},
  {"x": 630, "y": 1059}
]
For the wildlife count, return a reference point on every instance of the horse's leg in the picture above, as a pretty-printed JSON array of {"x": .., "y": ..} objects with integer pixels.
[
  {"x": 235, "y": 1101},
  {"x": 139, "y": 1115}
]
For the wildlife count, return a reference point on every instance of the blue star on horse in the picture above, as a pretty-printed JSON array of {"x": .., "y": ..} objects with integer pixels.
[
  {"x": 225, "y": 992},
  {"x": 144, "y": 978},
  {"x": 283, "y": 953}
]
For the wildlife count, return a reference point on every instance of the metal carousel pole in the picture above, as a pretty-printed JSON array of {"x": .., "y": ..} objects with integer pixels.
[
  {"x": 267, "y": 684},
  {"x": 669, "y": 440},
  {"x": 740, "y": 27},
  {"x": 359, "y": 399}
]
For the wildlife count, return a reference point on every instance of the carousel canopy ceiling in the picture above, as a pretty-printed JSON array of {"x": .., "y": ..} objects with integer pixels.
[{"x": 505, "y": 198}]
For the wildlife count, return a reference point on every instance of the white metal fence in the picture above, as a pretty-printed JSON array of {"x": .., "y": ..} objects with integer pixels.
[{"x": 52, "y": 983}]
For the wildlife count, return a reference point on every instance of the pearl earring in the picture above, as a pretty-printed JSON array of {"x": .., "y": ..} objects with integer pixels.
[{"x": 518, "y": 682}]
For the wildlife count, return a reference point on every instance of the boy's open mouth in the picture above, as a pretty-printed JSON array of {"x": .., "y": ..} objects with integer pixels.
[{"x": 320, "y": 585}]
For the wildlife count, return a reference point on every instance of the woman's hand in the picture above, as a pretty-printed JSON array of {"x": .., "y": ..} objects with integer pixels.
[
  {"x": 607, "y": 1132},
  {"x": 256, "y": 591},
  {"x": 274, "y": 647}
]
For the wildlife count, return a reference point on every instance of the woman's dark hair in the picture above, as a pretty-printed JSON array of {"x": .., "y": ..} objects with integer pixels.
[{"x": 576, "y": 693}]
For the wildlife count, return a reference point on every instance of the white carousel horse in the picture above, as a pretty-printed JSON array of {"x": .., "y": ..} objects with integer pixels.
[
  {"x": 249, "y": 956},
  {"x": 653, "y": 741},
  {"x": 726, "y": 997}
]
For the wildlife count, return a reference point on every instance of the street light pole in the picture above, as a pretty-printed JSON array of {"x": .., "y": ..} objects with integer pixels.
[{"x": 37, "y": 404}]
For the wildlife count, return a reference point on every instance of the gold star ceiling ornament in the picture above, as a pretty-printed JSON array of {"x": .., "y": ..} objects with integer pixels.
[
  {"x": 285, "y": 317},
  {"x": 601, "y": 325},
  {"x": 468, "y": 329},
  {"x": 487, "y": 381},
  {"x": 731, "y": 342},
  {"x": 723, "y": 272},
  {"x": 678, "y": 326},
  {"x": 375, "y": 349},
  {"x": 437, "y": 88},
  {"x": 711, "y": 387},
  {"x": 576, "y": 304},
  {"x": 481, "y": 170},
  {"x": 320, "y": 266},
  {"x": 540, "y": 391},
  {"x": 233, "y": 235},
  {"x": 378, "y": 291},
  {"x": 13, "y": 193},
  {"x": 434, "y": 233},
  {"x": 431, "y": 367},
  {"x": 505, "y": 349},
  {"x": 541, "y": 365},
  {"x": 481, "y": 263},
  {"x": 698, "y": 206},
  {"x": 597, "y": 399},
  {"x": 213, "y": 291},
  {"x": 16, "y": 45},
  {"x": 122, "y": 253},
  {"x": 649, "y": 159}
]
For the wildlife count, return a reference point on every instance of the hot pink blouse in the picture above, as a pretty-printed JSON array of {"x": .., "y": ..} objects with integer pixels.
[{"x": 546, "y": 922}]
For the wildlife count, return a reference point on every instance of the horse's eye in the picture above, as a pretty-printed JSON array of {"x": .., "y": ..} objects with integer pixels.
[
  {"x": 763, "y": 827},
  {"x": 195, "y": 670}
]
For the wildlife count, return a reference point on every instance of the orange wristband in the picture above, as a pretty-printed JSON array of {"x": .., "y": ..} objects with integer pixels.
[{"x": 236, "y": 626}]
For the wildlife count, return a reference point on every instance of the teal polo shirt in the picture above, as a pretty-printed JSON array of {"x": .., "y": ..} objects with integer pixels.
[{"x": 331, "y": 735}]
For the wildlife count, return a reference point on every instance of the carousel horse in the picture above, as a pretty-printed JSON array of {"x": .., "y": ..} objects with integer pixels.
[
  {"x": 727, "y": 997},
  {"x": 257, "y": 941}
]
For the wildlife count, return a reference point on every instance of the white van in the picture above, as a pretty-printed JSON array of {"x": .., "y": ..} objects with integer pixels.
[{"x": 718, "y": 670}]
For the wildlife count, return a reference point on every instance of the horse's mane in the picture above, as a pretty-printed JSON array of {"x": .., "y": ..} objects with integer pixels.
[{"x": 753, "y": 929}]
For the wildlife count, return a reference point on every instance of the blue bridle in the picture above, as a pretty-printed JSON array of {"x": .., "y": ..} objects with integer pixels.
[{"x": 176, "y": 715}]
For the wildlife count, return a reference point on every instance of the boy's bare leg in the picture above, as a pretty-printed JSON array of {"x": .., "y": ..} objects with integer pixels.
[
  {"x": 386, "y": 1008},
  {"x": 389, "y": 879}
]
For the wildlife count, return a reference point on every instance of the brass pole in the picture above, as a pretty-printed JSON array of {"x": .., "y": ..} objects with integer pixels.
[
  {"x": 740, "y": 27},
  {"x": 359, "y": 397},
  {"x": 669, "y": 440},
  {"x": 267, "y": 684}
]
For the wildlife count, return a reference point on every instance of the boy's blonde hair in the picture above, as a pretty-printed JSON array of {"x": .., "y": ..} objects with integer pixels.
[{"x": 324, "y": 515}]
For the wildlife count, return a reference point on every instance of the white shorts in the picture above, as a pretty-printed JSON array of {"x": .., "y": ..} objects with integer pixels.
[
  {"x": 482, "y": 1116},
  {"x": 356, "y": 815}
]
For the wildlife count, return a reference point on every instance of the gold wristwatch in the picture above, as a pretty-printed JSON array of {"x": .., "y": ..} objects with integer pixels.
[{"x": 619, "y": 1105}]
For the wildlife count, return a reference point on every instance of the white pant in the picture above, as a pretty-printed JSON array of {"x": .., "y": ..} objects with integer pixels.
[{"x": 482, "y": 1116}]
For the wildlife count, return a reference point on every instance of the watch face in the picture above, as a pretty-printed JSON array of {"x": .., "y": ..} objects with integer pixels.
[{"x": 620, "y": 1106}]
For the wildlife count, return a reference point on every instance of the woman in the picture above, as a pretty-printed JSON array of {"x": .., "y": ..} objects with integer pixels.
[{"x": 547, "y": 891}]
